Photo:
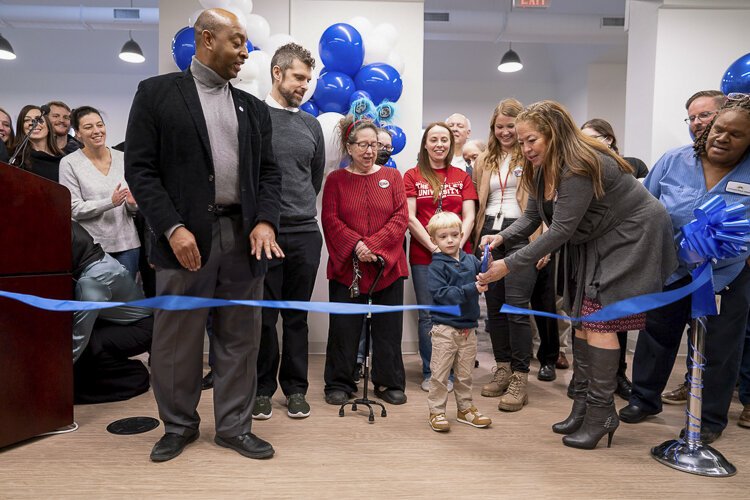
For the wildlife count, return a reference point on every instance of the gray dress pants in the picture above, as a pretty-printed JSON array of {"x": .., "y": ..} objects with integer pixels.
[{"x": 177, "y": 346}]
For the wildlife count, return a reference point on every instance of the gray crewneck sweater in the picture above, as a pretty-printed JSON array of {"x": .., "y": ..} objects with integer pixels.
[{"x": 223, "y": 130}]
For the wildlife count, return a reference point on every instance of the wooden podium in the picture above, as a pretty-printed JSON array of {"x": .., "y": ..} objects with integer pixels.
[{"x": 36, "y": 359}]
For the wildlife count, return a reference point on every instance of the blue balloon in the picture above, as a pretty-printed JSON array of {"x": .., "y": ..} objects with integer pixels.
[
  {"x": 333, "y": 91},
  {"x": 183, "y": 47},
  {"x": 250, "y": 47},
  {"x": 737, "y": 76},
  {"x": 390, "y": 163},
  {"x": 341, "y": 49},
  {"x": 381, "y": 81},
  {"x": 310, "y": 107},
  {"x": 398, "y": 138},
  {"x": 359, "y": 94}
]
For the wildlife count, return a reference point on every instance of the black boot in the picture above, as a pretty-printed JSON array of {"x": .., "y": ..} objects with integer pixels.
[
  {"x": 624, "y": 386},
  {"x": 579, "y": 384},
  {"x": 601, "y": 415}
]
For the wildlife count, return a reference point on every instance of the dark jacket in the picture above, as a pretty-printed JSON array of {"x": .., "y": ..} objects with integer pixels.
[
  {"x": 169, "y": 168},
  {"x": 454, "y": 282},
  {"x": 44, "y": 164}
]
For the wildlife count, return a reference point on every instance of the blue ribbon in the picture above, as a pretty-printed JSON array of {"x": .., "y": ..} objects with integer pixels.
[
  {"x": 717, "y": 232},
  {"x": 486, "y": 258},
  {"x": 184, "y": 303}
]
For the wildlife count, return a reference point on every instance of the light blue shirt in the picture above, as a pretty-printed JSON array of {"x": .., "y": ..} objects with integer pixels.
[{"x": 677, "y": 181}]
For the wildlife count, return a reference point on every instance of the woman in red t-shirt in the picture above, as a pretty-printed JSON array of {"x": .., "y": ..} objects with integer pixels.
[
  {"x": 364, "y": 215},
  {"x": 434, "y": 185}
]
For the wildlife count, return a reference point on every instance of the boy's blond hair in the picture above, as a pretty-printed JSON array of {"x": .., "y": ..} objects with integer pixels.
[{"x": 443, "y": 220}]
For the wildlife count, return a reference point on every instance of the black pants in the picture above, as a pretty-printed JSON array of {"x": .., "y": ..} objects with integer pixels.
[
  {"x": 543, "y": 299},
  {"x": 343, "y": 340},
  {"x": 658, "y": 344},
  {"x": 292, "y": 278},
  {"x": 104, "y": 373}
]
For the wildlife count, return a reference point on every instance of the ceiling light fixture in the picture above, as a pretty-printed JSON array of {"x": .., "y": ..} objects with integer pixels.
[
  {"x": 510, "y": 63},
  {"x": 131, "y": 52},
  {"x": 6, "y": 51}
]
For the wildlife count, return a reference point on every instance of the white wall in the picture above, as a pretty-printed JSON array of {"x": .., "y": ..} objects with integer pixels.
[{"x": 606, "y": 97}]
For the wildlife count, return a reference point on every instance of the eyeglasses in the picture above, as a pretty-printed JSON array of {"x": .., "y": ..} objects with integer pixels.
[
  {"x": 701, "y": 117},
  {"x": 375, "y": 146}
]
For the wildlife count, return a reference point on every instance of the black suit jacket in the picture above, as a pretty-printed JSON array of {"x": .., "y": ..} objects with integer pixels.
[{"x": 169, "y": 168}]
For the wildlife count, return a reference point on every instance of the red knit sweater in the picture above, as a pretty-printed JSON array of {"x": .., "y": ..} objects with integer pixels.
[{"x": 371, "y": 208}]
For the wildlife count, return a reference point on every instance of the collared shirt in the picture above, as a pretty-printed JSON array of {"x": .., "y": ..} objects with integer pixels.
[
  {"x": 276, "y": 104},
  {"x": 677, "y": 180}
]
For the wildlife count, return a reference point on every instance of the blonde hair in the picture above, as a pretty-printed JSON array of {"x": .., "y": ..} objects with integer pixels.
[
  {"x": 494, "y": 155},
  {"x": 443, "y": 220}
]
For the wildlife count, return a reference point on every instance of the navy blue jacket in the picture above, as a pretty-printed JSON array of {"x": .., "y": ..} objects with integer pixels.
[{"x": 453, "y": 282}]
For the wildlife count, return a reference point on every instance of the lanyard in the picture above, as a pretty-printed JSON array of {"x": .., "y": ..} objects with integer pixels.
[
  {"x": 503, "y": 186},
  {"x": 440, "y": 196}
]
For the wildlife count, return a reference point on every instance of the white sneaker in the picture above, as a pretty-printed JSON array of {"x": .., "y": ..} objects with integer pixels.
[
  {"x": 425, "y": 385},
  {"x": 450, "y": 386}
]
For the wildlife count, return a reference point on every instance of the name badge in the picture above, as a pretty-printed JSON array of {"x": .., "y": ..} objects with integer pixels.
[
  {"x": 383, "y": 183},
  {"x": 738, "y": 188}
]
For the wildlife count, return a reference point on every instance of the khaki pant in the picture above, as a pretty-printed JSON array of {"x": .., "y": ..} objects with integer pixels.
[{"x": 450, "y": 349}]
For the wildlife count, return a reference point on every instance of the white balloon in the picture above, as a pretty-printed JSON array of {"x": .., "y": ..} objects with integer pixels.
[
  {"x": 361, "y": 24},
  {"x": 214, "y": 4},
  {"x": 241, "y": 18},
  {"x": 394, "y": 59},
  {"x": 244, "y": 6},
  {"x": 194, "y": 17},
  {"x": 251, "y": 88},
  {"x": 312, "y": 85},
  {"x": 249, "y": 71},
  {"x": 276, "y": 41},
  {"x": 387, "y": 32},
  {"x": 329, "y": 123},
  {"x": 376, "y": 49},
  {"x": 260, "y": 70},
  {"x": 258, "y": 30}
]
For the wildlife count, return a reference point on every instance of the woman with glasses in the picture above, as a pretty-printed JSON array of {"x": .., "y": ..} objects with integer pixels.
[
  {"x": 498, "y": 176},
  {"x": 40, "y": 154},
  {"x": 434, "y": 185},
  {"x": 683, "y": 179},
  {"x": 363, "y": 213}
]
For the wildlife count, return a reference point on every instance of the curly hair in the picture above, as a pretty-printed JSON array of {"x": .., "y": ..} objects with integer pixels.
[
  {"x": 567, "y": 147},
  {"x": 742, "y": 103}
]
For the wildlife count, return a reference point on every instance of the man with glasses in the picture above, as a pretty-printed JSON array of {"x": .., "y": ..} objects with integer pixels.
[{"x": 701, "y": 108}]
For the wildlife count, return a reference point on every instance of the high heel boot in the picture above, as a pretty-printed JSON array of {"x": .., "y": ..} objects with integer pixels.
[
  {"x": 601, "y": 415},
  {"x": 579, "y": 386}
]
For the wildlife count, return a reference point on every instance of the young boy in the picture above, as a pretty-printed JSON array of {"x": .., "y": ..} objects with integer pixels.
[{"x": 452, "y": 280}]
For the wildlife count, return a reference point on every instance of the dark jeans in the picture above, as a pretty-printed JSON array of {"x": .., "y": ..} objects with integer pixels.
[
  {"x": 543, "y": 299},
  {"x": 657, "y": 347},
  {"x": 104, "y": 373},
  {"x": 292, "y": 278},
  {"x": 343, "y": 339},
  {"x": 510, "y": 333},
  {"x": 744, "y": 389}
]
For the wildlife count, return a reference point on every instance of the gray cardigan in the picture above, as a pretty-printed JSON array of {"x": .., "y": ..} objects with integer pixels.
[{"x": 617, "y": 247}]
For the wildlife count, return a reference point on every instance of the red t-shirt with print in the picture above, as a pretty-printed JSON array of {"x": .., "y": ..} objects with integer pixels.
[{"x": 457, "y": 187}]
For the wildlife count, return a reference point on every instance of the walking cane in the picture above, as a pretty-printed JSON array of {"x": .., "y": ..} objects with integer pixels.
[
  {"x": 364, "y": 400},
  {"x": 690, "y": 454}
]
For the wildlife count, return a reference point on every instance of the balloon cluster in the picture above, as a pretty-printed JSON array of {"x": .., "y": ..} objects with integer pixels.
[
  {"x": 737, "y": 76},
  {"x": 255, "y": 74},
  {"x": 361, "y": 66}
]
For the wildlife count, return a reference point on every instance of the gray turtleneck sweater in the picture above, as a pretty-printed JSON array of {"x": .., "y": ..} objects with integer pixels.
[{"x": 221, "y": 121}]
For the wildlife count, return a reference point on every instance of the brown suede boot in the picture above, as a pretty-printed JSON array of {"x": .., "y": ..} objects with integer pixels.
[
  {"x": 516, "y": 396},
  {"x": 499, "y": 383}
]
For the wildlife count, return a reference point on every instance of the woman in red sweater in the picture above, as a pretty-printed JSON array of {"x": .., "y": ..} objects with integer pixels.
[
  {"x": 434, "y": 185},
  {"x": 364, "y": 215}
]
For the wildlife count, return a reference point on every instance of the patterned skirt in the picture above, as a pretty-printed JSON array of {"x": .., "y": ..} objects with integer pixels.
[{"x": 632, "y": 322}]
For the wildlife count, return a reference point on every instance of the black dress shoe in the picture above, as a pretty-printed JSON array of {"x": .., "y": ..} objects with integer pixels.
[
  {"x": 624, "y": 387},
  {"x": 337, "y": 397},
  {"x": 707, "y": 436},
  {"x": 170, "y": 445},
  {"x": 547, "y": 373},
  {"x": 248, "y": 445},
  {"x": 392, "y": 396},
  {"x": 208, "y": 381},
  {"x": 357, "y": 373},
  {"x": 632, "y": 414}
]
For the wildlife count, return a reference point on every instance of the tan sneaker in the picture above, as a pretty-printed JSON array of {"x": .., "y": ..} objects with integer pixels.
[
  {"x": 516, "y": 396},
  {"x": 499, "y": 383},
  {"x": 744, "y": 420},
  {"x": 471, "y": 416},
  {"x": 677, "y": 396},
  {"x": 439, "y": 423}
]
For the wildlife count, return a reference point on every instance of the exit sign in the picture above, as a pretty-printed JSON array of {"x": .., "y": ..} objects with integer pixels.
[{"x": 531, "y": 4}]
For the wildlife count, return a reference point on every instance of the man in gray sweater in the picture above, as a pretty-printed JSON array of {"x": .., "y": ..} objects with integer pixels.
[{"x": 300, "y": 153}]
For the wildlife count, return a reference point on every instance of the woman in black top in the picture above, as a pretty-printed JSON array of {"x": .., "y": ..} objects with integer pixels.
[{"x": 40, "y": 155}]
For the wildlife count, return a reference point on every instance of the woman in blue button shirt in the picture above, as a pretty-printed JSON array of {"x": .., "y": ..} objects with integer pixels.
[{"x": 683, "y": 179}]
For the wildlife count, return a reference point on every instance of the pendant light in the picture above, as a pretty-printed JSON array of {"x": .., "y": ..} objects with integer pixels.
[
  {"x": 131, "y": 52},
  {"x": 510, "y": 63},
  {"x": 6, "y": 51}
]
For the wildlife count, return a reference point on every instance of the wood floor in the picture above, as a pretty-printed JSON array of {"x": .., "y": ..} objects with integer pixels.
[{"x": 325, "y": 456}]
